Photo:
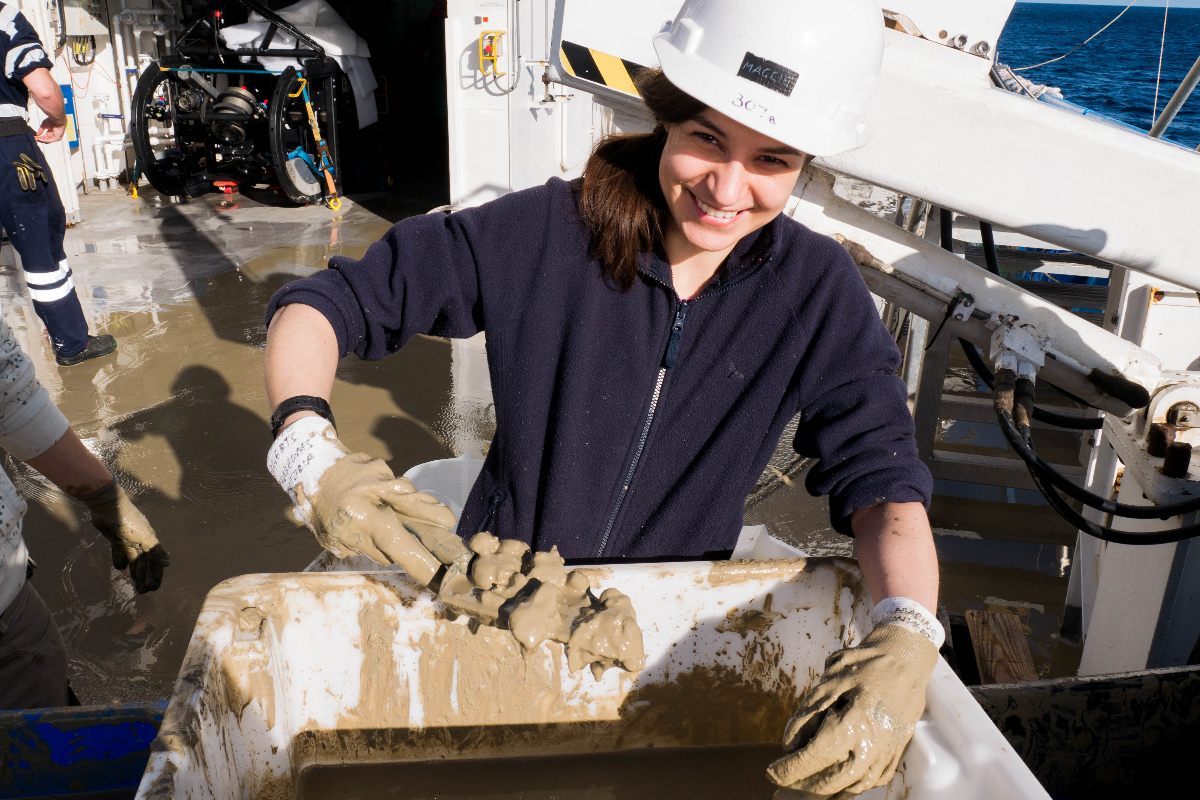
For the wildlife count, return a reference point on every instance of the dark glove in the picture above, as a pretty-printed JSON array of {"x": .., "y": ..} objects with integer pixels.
[
  {"x": 134, "y": 545},
  {"x": 29, "y": 172}
]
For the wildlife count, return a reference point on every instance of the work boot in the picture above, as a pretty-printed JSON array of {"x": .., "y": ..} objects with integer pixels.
[{"x": 96, "y": 346}]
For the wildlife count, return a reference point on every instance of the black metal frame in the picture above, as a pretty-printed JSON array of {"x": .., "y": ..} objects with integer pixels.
[
  {"x": 277, "y": 23},
  {"x": 278, "y": 124}
]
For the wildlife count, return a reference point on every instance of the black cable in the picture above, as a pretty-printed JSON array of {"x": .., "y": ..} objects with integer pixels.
[
  {"x": 989, "y": 248},
  {"x": 949, "y": 311},
  {"x": 1099, "y": 531},
  {"x": 1069, "y": 421},
  {"x": 1043, "y": 475},
  {"x": 1076, "y": 492},
  {"x": 62, "y": 25},
  {"x": 81, "y": 47},
  {"x": 946, "y": 228}
]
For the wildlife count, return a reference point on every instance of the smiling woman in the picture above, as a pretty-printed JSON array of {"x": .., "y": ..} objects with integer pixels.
[
  {"x": 652, "y": 328},
  {"x": 691, "y": 189}
]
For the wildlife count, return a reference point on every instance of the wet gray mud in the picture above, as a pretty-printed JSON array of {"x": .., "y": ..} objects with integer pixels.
[
  {"x": 179, "y": 412},
  {"x": 700, "y": 773}
]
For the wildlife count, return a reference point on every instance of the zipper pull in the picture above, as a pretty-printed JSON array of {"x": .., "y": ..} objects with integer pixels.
[
  {"x": 673, "y": 342},
  {"x": 493, "y": 507}
]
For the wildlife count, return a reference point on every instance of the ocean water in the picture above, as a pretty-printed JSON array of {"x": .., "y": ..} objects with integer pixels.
[{"x": 1115, "y": 74}]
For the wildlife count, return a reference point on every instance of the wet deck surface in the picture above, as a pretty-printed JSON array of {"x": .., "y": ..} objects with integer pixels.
[{"x": 180, "y": 413}]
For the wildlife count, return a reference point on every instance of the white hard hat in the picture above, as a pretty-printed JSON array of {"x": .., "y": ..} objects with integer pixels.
[{"x": 799, "y": 71}]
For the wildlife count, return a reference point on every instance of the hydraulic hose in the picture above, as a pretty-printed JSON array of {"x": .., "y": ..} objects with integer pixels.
[
  {"x": 1013, "y": 397},
  {"x": 1023, "y": 398},
  {"x": 1070, "y": 421},
  {"x": 1013, "y": 403}
]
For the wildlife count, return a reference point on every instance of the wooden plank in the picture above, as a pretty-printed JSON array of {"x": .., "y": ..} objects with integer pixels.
[{"x": 1000, "y": 647}]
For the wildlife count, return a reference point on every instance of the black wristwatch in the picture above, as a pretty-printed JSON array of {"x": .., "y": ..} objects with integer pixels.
[{"x": 302, "y": 402}]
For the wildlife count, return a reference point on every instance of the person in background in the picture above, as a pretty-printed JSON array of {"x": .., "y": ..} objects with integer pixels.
[
  {"x": 31, "y": 211},
  {"x": 33, "y": 659}
]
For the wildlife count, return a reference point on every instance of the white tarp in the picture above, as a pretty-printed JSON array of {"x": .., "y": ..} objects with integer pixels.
[{"x": 322, "y": 24}]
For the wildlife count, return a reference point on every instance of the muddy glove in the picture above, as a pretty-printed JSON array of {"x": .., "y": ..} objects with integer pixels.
[
  {"x": 355, "y": 504},
  {"x": 852, "y": 728},
  {"x": 134, "y": 544}
]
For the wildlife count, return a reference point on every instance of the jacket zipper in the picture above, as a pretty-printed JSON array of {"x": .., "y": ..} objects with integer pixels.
[
  {"x": 493, "y": 507},
  {"x": 668, "y": 361}
]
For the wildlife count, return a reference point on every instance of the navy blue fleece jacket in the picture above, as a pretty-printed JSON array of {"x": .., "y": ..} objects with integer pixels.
[{"x": 588, "y": 383}]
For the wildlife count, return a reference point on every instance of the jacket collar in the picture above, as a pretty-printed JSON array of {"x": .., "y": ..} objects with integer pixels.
[{"x": 750, "y": 253}]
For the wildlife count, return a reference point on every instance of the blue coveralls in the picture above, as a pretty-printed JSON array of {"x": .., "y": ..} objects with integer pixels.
[{"x": 32, "y": 214}]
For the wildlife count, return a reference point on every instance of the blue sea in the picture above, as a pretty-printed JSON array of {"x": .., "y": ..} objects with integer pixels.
[{"x": 1115, "y": 74}]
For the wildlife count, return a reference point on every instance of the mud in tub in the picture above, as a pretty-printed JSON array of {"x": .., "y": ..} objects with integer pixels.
[{"x": 360, "y": 684}]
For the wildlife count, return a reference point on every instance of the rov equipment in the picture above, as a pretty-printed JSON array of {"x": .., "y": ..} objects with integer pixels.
[{"x": 208, "y": 112}]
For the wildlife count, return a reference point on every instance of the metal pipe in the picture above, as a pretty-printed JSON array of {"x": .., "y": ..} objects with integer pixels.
[
  {"x": 1177, "y": 100},
  {"x": 103, "y": 146},
  {"x": 562, "y": 102},
  {"x": 914, "y": 355},
  {"x": 103, "y": 167},
  {"x": 119, "y": 63},
  {"x": 913, "y": 218},
  {"x": 157, "y": 28},
  {"x": 110, "y": 152},
  {"x": 98, "y": 154},
  {"x": 85, "y": 137}
]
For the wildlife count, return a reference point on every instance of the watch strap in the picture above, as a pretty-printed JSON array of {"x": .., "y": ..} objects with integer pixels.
[{"x": 301, "y": 402}]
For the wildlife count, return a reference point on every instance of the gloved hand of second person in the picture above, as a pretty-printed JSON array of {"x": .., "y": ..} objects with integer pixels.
[
  {"x": 852, "y": 727},
  {"x": 134, "y": 544},
  {"x": 353, "y": 503}
]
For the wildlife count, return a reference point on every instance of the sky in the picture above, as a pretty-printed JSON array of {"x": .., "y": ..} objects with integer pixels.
[{"x": 1123, "y": 3}]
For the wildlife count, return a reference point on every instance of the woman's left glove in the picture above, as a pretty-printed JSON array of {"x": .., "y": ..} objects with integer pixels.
[
  {"x": 134, "y": 544},
  {"x": 852, "y": 728}
]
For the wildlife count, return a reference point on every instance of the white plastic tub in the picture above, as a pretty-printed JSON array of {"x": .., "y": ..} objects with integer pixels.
[
  {"x": 286, "y": 671},
  {"x": 294, "y": 670}
]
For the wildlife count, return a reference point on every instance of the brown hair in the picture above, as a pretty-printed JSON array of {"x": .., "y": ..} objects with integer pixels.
[{"x": 620, "y": 199}]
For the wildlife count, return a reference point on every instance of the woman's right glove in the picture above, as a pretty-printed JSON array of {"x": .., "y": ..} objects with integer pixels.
[
  {"x": 852, "y": 727},
  {"x": 353, "y": 503}
]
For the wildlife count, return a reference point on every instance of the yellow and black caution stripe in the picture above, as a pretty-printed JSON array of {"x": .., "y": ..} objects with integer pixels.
[{"x": 592, "y": 65}]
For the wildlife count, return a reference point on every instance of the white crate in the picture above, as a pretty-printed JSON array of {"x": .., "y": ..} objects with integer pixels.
[{"x": 290, "y": 670}]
